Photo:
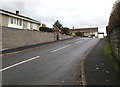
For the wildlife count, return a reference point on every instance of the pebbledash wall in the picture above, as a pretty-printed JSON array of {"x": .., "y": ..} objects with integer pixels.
[
  {"x": 14, "y": 38},
  {"x": 114, "y": 38}
]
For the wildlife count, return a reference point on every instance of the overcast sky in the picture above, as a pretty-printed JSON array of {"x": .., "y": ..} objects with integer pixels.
[{"x": 77, "y": 13}]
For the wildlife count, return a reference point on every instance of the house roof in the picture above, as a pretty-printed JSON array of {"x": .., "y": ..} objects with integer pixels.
[{"x": 18, "y": 16}]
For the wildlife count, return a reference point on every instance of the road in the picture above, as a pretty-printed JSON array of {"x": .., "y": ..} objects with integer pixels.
[{"x": 58, "y": 64}]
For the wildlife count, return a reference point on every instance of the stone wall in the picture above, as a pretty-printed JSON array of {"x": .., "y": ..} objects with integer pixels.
[
  {"x": 114, "y": 38},
  {"x": 14, "y": 38}
]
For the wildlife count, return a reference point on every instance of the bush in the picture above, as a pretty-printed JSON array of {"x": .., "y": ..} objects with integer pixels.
[
  {"x": 46, "y": 29},
  {"x": 65, "y": 31},
  {"x": 114, "y": 20},
  {"x": 79, "y": 34}
]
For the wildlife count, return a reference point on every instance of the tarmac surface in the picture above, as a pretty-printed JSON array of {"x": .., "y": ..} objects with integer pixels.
[
  {"x": 57, "y": 64},
  {"x": 98, "y": 69}
]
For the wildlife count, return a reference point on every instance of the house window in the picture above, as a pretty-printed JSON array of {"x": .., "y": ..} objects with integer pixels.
[
  {"x": 28, "y": 25},
  {"x": 20, "y": 22},
  {"x": 31, "y": 26},
  {"x": 34, "y": 26},
  {"x": 15, "y": 21},
  {"x": 11, "y": 21}
]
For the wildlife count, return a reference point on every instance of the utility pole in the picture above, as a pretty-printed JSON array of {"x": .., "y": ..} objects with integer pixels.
[
  {"x": 90, "y": 31},
  {"x": 73, "y": 27}
]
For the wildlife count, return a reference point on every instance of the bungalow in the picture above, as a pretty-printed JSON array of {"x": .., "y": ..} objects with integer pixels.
[{"x": 14, "y": 20}]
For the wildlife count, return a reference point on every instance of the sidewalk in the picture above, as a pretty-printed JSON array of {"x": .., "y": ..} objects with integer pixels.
[{"x": 98, "y": 69}]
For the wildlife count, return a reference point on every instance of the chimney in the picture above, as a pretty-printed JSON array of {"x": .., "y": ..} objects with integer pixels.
[{"x": 17, "y": 12}]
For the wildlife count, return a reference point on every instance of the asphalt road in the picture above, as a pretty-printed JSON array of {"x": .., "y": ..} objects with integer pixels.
[{"x": 58, "y": 64}]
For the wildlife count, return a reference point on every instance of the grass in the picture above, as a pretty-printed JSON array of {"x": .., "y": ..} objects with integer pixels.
[{"x": 107, "y": 50}]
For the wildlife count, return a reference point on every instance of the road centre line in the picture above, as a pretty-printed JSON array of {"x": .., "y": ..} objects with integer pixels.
[
  {"x": 60, "y": 48},
  {"x": 78, "y": 42},
  {"x": 19, "y": 63}
]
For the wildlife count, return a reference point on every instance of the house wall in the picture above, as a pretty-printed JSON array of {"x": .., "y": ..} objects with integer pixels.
[
  {"x": 0, "y": 19},
  {"x": 96, "y": 34},
  {"x": 14, "y": 38},
  {"x": 38, "y": 26},
  {"x": 25, "y": 23},
  {"x": 4, "y": 20},
  {"x": 87, "y": 32},
  {"x": 100, "y": 35},
  {"x": 1, "y": 56},
  {"x": 0, "y": 34}
]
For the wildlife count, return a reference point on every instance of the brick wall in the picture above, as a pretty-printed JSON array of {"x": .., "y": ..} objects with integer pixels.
[
  {"x": 14, "y": 38},
  {"x": 114, "y": 38}
]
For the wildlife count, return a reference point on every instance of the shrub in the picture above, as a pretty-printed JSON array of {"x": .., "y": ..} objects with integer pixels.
[
  {"x": 46, "y": 29},
  {"x": 79, "y": 34}
]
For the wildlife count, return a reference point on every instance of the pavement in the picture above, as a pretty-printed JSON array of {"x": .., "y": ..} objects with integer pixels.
[
  {"x": 98, "y": 69},
  {"x": 57, "y": 64}
]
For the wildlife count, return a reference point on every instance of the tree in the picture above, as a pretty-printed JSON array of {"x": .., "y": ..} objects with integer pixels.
[
  {"x": 57, "y": 24},
  {"x": 65, "y": 30},
  {"x": 114, "y": 19},
  {"x": 79, "y": 34}
]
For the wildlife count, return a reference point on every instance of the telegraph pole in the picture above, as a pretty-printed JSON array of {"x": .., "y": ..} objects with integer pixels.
[{"x": 90, "y": 28}]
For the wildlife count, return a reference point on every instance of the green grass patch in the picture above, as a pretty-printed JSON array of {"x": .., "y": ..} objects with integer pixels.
[{"x": 107, "y": 50}]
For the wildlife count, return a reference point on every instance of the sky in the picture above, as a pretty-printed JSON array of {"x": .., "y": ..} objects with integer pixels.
[{"x": 77, "y": 13}]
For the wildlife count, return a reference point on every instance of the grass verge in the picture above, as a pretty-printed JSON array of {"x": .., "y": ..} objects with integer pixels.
[{"x": 107, "y": 50}]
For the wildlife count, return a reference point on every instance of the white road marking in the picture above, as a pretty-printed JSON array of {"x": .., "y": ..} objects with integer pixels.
[
  {"x": 78, "y": 42},
  {"x": 60, "y": 48},
  {"x": 19, "y": 63}
]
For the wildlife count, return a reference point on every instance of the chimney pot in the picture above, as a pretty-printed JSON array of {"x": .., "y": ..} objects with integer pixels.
[{"x": 17, "y": 12}]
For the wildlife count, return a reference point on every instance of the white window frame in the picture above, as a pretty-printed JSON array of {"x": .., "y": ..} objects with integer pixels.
[{"x": 15, "y": 23}]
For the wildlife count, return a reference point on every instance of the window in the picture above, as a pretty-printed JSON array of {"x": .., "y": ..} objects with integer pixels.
[
  {"x": 11, "y": 21},
  {"x": 34, "y": 26},
  {"x": 14, "y": 20},
  {"x": 17, "y": 21},
  {"x": 20, "y": 22},
  {"x": 28, "y": 25},
  {"x": 31, "y": 26}
]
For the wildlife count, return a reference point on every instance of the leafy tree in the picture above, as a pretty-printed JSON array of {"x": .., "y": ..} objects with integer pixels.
[
  {"x": 57, "y": 24},
  {"x": 65, "y": 30},
  {"x": 79, "y": 34},
  {"x": 46, "y": 29}
]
